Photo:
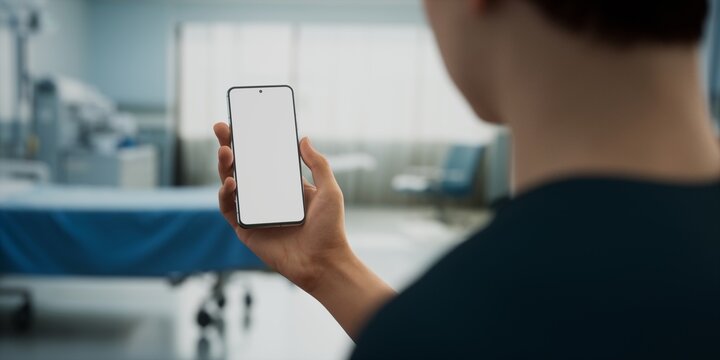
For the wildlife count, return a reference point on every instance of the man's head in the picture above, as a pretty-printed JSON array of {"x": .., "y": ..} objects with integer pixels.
[{"x": 473, "y": 34}]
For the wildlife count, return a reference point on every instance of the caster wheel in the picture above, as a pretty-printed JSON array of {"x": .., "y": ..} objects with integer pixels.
[
  {"x": 22, "y": 318},
  {"x": 220, "y": 300},
  {"x": 247, "y": 320},
  {"x": 203, "y": 318}
]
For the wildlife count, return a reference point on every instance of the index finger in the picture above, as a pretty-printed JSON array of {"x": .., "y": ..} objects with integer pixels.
[
  {"x": 222, "y": 131},
  {"x": 226, "y": 198}
]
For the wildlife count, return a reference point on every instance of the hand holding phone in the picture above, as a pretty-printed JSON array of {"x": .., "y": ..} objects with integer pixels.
[
  {"x": 296, "y": 228},
  {"x": 316, "y": 255},
  {"x": 300, "y": 253}
]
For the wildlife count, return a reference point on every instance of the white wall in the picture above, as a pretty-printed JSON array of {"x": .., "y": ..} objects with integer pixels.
[
  {"x": 61, "y": 47},
  {"x": 131, "y": 42}
]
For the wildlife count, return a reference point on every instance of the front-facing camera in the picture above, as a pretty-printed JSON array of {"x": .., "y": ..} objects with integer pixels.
[{"x": 261, "y": 91}]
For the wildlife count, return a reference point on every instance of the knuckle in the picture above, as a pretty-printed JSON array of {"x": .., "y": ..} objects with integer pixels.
[
  {"x": 336, "y": 192},
  {"x": 323, "y": 161}
]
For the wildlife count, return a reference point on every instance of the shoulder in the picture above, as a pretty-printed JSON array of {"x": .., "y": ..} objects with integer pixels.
[
  {"x": 449, "y": 310},
  {"x": 545, "y": 259},
  {"x": 440, "y": 314}
]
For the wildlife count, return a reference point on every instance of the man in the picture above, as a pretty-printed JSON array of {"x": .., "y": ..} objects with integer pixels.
[{"x": 611, "y": 245}]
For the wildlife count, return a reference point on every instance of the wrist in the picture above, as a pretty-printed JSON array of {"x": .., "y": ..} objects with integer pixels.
[
  {"x": 351, "y": 292},
  {"x": 337, "y": 266}
]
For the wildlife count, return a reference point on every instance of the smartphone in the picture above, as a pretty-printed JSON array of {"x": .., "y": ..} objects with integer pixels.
[{"x": 264, "y": 140}]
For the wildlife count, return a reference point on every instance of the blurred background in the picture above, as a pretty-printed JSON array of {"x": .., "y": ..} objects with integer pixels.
[{"x": 111, "y": 244}]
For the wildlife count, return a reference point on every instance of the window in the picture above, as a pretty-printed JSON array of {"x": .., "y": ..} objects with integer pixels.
[{"x": 352, "y": 82}]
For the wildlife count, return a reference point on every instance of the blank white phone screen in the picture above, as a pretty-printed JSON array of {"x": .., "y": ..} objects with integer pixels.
[{"x": 267, "y": 163}]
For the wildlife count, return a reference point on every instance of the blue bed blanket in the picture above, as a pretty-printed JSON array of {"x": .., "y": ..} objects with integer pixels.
[{"x": 111, "y": 232}]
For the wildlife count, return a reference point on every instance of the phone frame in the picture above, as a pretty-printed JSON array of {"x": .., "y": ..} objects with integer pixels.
[{"x": 297, "y": 142}]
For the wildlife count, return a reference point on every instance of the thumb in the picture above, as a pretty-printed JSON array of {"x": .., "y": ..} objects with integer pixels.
[{"x": 321, "y": 172}]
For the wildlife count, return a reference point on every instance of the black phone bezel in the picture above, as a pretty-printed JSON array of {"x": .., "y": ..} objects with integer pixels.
[{"x": 297, "y": 141}]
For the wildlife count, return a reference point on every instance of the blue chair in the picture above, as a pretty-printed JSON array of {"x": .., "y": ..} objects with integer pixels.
[{"x": 456, "y": 179}]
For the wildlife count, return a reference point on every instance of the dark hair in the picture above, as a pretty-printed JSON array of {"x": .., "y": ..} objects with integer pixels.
[{"x": 627, "y": 22}]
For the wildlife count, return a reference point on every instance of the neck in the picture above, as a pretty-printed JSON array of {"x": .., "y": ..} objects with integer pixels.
[{"x": 577, "y": 109}]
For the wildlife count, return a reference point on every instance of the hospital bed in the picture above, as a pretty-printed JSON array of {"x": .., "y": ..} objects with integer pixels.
[{"x": 109, "y": 232}]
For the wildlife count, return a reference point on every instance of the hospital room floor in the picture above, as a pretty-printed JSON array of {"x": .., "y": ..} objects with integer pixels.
[{"x": 129, "y": 318}]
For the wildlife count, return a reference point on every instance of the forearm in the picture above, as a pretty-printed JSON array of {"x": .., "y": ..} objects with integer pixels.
[{"x": 352, "y": 293}]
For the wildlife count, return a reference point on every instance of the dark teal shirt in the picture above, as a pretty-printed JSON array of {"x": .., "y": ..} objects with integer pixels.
[{"x": 578, "y": 269}]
